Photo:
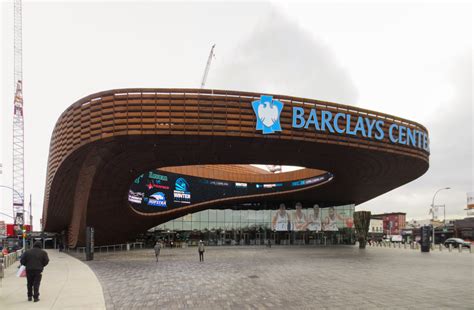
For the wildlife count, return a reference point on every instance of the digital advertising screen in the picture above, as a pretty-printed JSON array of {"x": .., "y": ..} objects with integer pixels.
[{"x": 156, "y": 191}]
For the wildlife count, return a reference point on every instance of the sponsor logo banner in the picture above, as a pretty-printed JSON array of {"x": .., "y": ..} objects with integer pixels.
[
  {"x": 158, "y": 199},
  {"x": 182, "y": 192},
  {"x": 135, "y": 197}
]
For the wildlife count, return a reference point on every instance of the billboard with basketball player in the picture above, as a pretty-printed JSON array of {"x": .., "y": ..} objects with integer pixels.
[{"x": 313, "y": 219}]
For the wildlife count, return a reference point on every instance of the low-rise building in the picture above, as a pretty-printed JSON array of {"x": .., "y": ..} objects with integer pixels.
[{"x": 393, "y": 223}]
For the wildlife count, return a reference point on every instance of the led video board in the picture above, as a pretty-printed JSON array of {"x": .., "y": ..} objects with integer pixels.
[{"x": 156, "y": 191}]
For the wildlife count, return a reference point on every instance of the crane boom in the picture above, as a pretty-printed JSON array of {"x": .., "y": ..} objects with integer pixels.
[
  {"x": 18, "y": 135},
  {"x": 208, "y": 66}
]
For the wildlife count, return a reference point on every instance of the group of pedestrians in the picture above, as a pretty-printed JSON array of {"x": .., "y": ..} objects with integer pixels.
[{"x": 201, "y": 250}]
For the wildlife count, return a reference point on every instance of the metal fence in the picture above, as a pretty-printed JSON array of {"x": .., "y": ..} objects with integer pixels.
[
  {"x": 8, "y": 260},
  {"x": 113, "y": 247}
]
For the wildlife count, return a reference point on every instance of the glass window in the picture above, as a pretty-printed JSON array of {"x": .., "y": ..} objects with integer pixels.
[
  {"x": 212, "y": 225},
  {"x": 268, "y": 215},
  {"x": 220, "y": 215},
  {"x": 196, "y": 225},
  {"x": 204, "y": 215},
  {"x": 259, "y": 216},
  {"x": 236, "y": 215},
  {"x": 196, "y": 217},
  {"x": 212, "y": 215},
  {"x": 186, "y": 225},
  {"x": 244, "y": 217},
  {"x": 228, "y": 216},
  {"x": 178, "y": 225},
  {"x": 204, "y": 225},
  {"x": 252, "y": 216}
]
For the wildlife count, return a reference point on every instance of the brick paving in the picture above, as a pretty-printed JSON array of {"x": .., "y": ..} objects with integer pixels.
[{"x": 342, "y": 277}]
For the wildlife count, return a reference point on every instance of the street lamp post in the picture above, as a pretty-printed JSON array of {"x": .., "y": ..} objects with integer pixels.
[{"x": 432, "y": 210}]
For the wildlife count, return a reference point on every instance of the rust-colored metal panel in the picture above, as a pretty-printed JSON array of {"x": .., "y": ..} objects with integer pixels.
[{"x": 125, "y": 132}]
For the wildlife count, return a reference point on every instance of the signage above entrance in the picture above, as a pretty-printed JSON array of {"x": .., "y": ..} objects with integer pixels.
[{"x": 268, "y": 111}]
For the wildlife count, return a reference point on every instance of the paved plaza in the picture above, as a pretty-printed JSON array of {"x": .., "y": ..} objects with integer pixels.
[
  {"x": 341, "y": 277},
  {"x": 67, "y": 284}
]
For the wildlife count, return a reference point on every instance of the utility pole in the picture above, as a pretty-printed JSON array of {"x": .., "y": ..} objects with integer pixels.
[
  {"x": 31, "y": 215},
  {"x": 208, "y": 66}
]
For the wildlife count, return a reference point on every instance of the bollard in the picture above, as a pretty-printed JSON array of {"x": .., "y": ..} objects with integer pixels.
[
  {"x": 450, "y": 247},
  {"x": 440, "y": 247},
  {"x": 417, "y": 246},
  {"x": 431, "y": 246},
  {"x": 399, "y": 245},
  {"x": 389, "y": 244},
  {"x": 405, "y": 246},
  {"x": 460, "y": 248}
]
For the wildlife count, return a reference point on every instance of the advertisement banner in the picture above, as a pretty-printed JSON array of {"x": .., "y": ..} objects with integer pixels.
[
  {"x": 19, "y": 219},
  {"x": 313, "y": 219}
]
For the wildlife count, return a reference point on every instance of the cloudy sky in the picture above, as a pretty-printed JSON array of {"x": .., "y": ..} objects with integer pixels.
[{"x": 413, "y": 60}]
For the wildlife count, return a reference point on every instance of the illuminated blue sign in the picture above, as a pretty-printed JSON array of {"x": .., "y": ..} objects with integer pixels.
[
  {"x": 158, "y": 199},
  {"x": 181, "y": 192},
  {"x": 267, "y": 110}
]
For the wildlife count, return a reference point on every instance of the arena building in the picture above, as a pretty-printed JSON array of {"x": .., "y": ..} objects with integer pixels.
[{"x": 124, "y": 161}]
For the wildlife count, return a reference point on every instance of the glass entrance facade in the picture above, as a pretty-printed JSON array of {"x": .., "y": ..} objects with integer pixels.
[{"x": 300, "y": 226}]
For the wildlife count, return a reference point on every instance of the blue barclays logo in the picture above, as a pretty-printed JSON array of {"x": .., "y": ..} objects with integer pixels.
[
  {"x": 158, "y": 199},
  {"x": 268, "y": 111}
]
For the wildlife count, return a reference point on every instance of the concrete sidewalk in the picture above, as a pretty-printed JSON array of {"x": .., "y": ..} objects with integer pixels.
[{"x": 67, "y": 283}]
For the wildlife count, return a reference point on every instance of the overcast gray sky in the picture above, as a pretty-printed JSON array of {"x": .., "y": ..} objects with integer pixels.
[{"x": 413, "y": 60}]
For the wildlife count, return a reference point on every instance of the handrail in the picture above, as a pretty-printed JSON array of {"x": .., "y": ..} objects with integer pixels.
[{"x": 113, "y": 247}]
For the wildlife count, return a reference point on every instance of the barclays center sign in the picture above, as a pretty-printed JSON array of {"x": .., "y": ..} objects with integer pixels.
[{"x": 268, "y": 111}]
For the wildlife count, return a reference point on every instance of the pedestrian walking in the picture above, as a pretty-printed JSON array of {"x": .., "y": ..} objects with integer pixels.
[
  {"x": 34, "y": 260},
  {"x": 157, "y": 250},
  {"x": 201, "y": 250}
]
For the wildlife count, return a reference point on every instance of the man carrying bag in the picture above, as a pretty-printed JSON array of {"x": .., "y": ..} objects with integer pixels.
[{"x": 34, "y": 260}]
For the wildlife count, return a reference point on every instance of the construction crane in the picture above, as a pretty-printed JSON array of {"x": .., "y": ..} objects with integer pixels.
[
  {"x": 18, "y": 133},
  {"x": 208, "y": 66}
]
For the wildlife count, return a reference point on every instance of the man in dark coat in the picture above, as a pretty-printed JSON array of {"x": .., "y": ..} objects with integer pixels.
[{"x": 34, "y": 260}]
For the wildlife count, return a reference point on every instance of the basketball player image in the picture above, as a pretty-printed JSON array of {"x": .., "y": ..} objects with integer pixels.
[
  {"x": 281, "y": 219},
  {"x": 299, "y": 219},
  {"x": 330, "y": 220},
  {"x": 314, "y": 219}
]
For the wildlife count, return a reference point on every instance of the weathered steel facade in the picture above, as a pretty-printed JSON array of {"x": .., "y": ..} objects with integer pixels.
[{"x": 103, "y": 141}]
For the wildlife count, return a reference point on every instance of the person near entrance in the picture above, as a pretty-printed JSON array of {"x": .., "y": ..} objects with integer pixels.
[
  {"x": 281, "y": 220},
  {"x": 201, "y": 250},
  {"x": 34, "y": 260},
  {"x": 157, "y": 249}
]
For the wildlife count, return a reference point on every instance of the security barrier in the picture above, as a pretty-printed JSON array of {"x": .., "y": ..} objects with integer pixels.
[
  {"x": 113, "y": 247},
  {"x": 11, "y": 258}
]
